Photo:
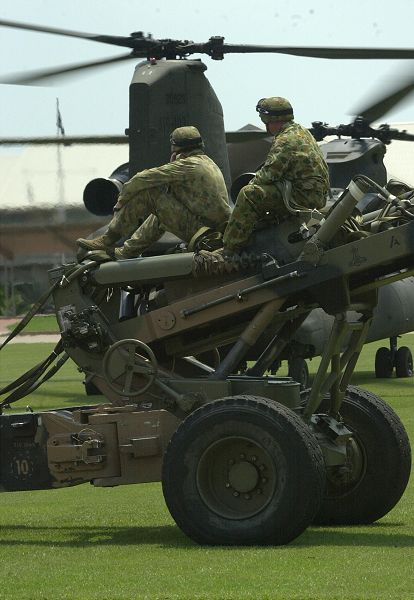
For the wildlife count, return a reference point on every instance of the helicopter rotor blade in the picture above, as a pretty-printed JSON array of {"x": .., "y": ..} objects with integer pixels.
[
  {"x": 66, "y": 140},
  {"x": 232, "y": 137},
  {"x": 145, "y": 46},
  {"x": 216, "y": 49},
  {"x": 39, "y": 76},
  {"x": 403, "y": 136},
  {"x": 114, "y": 40},
  {"x": 380, "y": 107},
  {"x": 334, "y": 53}
]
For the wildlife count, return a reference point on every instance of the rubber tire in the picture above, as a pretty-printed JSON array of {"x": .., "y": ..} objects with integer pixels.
[
  {"x": 292, "y": 450},
  {"x": 298, "y": 370},
  {"x": 387, "y": 462},
  {"x": 383, "y": 363},
  {"x": 404, "y": 362}
]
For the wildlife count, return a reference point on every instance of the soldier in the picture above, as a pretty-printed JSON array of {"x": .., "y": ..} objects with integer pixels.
[
  {"x": 294, "y": 157},
  {"x": 185, "y": 197}
]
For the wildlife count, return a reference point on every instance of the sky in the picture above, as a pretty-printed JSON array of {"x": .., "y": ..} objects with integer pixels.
[{"x": 97, "y": 102}]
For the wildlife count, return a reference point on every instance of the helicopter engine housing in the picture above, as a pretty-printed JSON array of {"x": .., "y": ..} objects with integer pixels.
[
  {"x": 100, "y": 194},
  {"x": 348, "y": 157}
]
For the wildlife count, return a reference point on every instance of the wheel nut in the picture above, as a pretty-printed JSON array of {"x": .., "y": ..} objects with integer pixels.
[
  {"x": 264, "y": 480},
  {"x": 227, "y": 485},
  {"x": 236, "y": 494},
  {"x": 254, "y": 458},
  {"x": 258, "y": 491},
  {"x": 247, "y": 496},
  {"x": 262, "y": 467}
]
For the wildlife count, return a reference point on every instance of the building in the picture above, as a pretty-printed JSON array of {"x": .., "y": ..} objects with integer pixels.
[{"x": 42, "y": 211}]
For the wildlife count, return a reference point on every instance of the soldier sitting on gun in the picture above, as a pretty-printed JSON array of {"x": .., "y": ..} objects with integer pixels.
[
  {"x": 294, "y": 159},
  {"x": 186, "y": 197}
]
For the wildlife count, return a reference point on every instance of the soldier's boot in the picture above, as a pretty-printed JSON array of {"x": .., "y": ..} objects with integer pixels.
[
  {"x": 123, "y": 253},
  {"x": 103, "y": 242}
]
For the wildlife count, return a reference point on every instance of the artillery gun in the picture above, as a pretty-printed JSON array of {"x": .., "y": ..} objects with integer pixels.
[
  {"x": 244, "y": 458},
  {"x": 169, "y": 88}
]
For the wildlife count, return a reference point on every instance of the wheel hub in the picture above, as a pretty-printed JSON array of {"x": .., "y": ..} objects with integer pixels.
[
  {"x": 243, "y": 477},
  {"x": 236, "y": 477},
  {"x": 344, "y": 479}
]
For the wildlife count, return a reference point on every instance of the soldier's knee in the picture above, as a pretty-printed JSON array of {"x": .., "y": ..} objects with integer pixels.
[
  {"x": 250, "y": 199},
  {"x": 255, "y": 194},
  {"x": 250, "y": 191}
]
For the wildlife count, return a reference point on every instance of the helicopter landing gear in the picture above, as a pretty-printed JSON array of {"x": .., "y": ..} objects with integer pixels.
[
  {"x": 386, "y": 359},
  {"x": 383, "y": 363},
  {"x": 298, "y": 370},
  {"x": 404, "y": 362}
]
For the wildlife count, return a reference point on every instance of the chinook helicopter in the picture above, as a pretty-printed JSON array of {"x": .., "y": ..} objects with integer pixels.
[{"x": 169, "y": 89}]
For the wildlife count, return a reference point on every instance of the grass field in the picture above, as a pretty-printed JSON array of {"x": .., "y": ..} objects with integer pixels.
[
  {"x": 121, "y": 543},
  {"x": 40, "y": 324}
]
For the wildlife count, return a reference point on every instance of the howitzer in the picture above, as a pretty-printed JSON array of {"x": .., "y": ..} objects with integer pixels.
[{"x": 243, "y": 458}]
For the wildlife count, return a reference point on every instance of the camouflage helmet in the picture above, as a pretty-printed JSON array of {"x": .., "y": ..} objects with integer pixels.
[
  {"x": 186, "y": 137},
  {"x": 274, "y": 109}
]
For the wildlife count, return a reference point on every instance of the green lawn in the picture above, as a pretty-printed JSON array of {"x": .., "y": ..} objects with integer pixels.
[
  {"x": 121, "y": 543},
  {"x": 40, "y": 324}
]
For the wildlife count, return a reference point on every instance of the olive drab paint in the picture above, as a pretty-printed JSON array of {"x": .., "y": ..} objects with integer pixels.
[
  {"x": 167, "y": 94},
  {"x": 225, "y": 442}
]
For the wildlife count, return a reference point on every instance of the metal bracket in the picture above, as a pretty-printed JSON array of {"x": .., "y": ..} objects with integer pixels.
[{"x": 342, "y": 366}]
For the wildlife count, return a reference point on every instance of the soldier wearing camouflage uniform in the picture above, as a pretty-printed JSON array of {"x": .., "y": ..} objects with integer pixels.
[
  {"x": 294, "y": 157},
  {"x": 182, "y": 197}
]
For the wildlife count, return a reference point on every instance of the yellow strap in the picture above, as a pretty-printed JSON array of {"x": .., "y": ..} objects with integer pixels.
[{"x": 199, "y": 233}]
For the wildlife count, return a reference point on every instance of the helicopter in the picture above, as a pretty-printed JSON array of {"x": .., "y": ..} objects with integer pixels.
[{"x": 169, "y": 88}]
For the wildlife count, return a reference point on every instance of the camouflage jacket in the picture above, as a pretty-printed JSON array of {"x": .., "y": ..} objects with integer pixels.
[
  {"x": 193, "y": 179},
  {"x": 295, "y": 156}
]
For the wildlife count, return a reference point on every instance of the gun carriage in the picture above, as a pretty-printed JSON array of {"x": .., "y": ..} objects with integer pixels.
[{"x": 244, "y": 458}]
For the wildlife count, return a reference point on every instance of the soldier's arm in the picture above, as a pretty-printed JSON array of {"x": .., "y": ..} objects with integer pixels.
[
  {"x": 156, "y": 177},
  {"x": 276, "y": 163}
]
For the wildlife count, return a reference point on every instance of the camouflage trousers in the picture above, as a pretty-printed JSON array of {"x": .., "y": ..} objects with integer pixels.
[
  {"x": 158, "y": 212},
  {"x": 255, "y": 205}
]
